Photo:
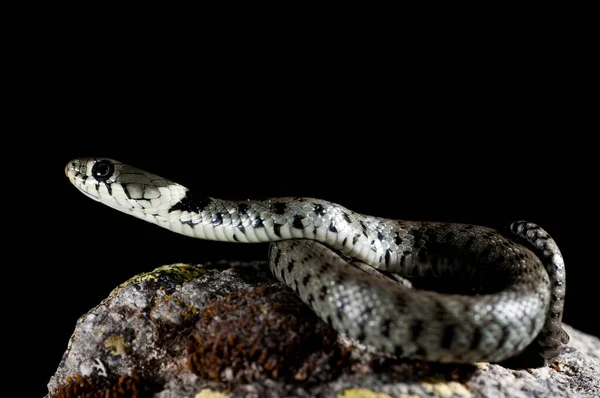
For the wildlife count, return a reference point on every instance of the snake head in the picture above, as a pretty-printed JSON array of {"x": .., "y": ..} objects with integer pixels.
[
  {"x": 94, "y": 176},
  {"x": 123, "y": 187}
]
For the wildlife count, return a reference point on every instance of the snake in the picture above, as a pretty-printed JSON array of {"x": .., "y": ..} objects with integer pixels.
[{"x": 432, "y": 291}]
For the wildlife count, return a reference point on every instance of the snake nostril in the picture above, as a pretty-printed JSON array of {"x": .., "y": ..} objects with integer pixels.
[{"x": 73, "y": 165}]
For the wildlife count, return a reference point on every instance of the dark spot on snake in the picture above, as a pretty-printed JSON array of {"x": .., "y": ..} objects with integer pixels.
[
  {"x": 241, "y": 228},
  {"x": 347, "y": 217},
  {"x": 278, "y": 208},
  {"x": 290, "y": 266},
  {"x": 329, "y": 321},
  {"x": 387, "y": 257},
  {"x": 188, "y": 203},
  {"x": 476, "y": 339},
  {"x": 361, "y": 336},
  {"x": 385, "y": 328},
  {"x": 173, "y": 208},
  {"x": 397, "y": 240},
  {"x": 363, "y": 227},
  {"x": 332, "y": 227},
  {"x": 418, "y": 238},
  {"x": 305, "y": 259},
  {"x": 257, "y": 223},
  {"x": 344, "y": 241},
  {"x": 404, "y": 259},
  {"x": 485, "y": 252},
  {"x": 503, "y": 337},
  {"x": 319, "y": 210},
  {"x": 398, "y": 351},
  {"x": 296, "y": 289},
  {"x": 242, "y": 208},
  {"x": 322, "y": 293},
  {"x": 315, "y": 231},
  {"x": 218, "y": 219},
  {"x": 415, "y": 328},
  {"x": 448, "y": 336},
  {"x": 108, "y": 187},
  {"x": 379, "y": 235},
  {"x": 355, "y": 239},
  {"x": 532, "y": 326},
  {"x": 83, "y": 179},
  {"x": 277, "y": 256},
  {"x": 281, "y": 274},
  {"x": 468, "y": 243},
  {"x": 310, "y": 299},
  {"x": 320, "y": 271},
  {"x": 555, "y": 297},
  {"x": 340, "y": 311},
  {"x": 298, "y": 221},
  {"x": 305, "y": 280},
  {"x": 235, "y": 238},
  {"x": 373, "y": 247},
  {"x": 277, "y": 229}
]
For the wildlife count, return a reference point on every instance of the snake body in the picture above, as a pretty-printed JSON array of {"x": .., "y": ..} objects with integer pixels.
[{"x": 343, "y": 264}]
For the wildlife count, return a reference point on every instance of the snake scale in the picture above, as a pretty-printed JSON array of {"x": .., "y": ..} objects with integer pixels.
[{"x": 355, "y": 271}]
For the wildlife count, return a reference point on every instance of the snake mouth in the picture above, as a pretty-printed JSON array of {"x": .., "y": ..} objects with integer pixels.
[
  {"x": 76, "y": 171},
  {"x": 89, "y": 195},
  {"x": 80, "y": 181}
]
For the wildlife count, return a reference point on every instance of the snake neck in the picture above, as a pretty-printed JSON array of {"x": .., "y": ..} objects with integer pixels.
[{"x": 365, "y": 238}]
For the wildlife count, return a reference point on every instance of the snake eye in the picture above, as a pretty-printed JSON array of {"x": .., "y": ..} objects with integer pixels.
[{"x": 102, "y": 170}]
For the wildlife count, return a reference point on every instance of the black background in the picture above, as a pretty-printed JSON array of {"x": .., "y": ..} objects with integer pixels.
[{"x": 462, "y": 136}]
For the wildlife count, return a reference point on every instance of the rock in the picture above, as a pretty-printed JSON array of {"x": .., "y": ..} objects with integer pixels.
[{"x": 231, "y": 330}]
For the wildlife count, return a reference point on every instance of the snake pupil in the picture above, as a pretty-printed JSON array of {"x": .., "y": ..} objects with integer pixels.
[{"x": 102, "y": 170}]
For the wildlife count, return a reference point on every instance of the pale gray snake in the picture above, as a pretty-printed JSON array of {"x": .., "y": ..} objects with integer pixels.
[{"x": 511, "y": 284}]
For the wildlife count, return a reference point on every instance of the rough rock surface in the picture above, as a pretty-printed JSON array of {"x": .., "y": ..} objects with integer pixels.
[{"x": 230, "y": 330}]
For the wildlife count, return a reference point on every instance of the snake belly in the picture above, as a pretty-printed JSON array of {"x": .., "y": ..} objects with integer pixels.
[{"x": 339, "y": 262}]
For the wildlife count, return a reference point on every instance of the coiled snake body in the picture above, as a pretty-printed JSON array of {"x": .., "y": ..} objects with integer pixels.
[{"x": 342, "y": 264}]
